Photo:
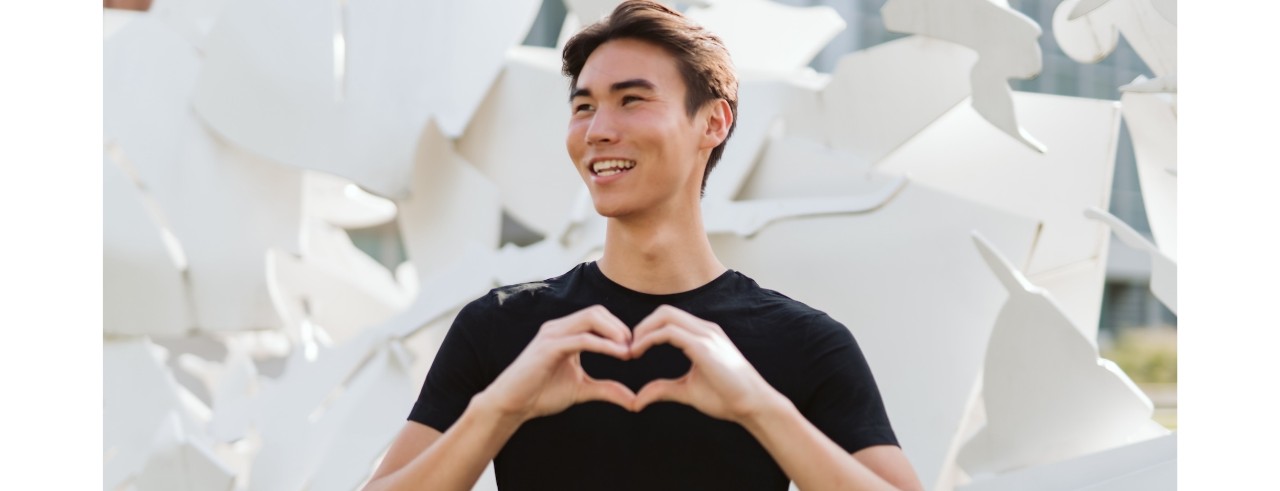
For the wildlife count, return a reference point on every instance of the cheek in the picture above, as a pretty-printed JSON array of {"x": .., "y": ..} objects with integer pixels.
[{"x": 574, "y": 139}]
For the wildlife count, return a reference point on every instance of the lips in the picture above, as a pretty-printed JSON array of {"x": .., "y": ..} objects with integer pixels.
[{"x": 609, "y": 167}]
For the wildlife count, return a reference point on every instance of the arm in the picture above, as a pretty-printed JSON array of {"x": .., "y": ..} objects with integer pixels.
[
  {"x": 722, "y": 384},
  {"x": 545, "y": 379},
  {"x": 813, "y": 461}
]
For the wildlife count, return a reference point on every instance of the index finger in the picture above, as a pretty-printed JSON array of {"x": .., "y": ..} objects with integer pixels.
[
  {"x": 665, "y": 315},
  {"x": 595, "y": 319}
]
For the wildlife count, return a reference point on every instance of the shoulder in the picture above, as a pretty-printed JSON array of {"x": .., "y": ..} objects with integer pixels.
[
  {"x": 778, "y": 309},
  {"x": 773, "y": 315},
  {"x": 522, "y": 299}
]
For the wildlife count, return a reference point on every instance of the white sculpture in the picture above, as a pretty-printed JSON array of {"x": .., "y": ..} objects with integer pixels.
[
  {"x": 880, "y": 97},
  {"x": 751, "y": 29},
  {"x": 877, "y": 276},
  {"x": 153, "y": 421},
  {"x": 525, "y": 111},
  {"x": 1004, "y": 39},
  {"x": 1164, "y": 270},
  {"x": 148, "y": 76},
  {"x": 346, "y": 88},
  {"x": 1047, "y": 394},
  {"x": 242, "y": 139},
  {"x": 142, "y": 286},
  {"x": 1149, "y": 465},
  {"x": 962, "y": 156},
  {"x": 1088, "y": 31},
  {"x": 1153, "y": 128}
]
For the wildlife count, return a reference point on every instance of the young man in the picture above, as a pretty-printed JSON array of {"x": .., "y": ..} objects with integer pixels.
[{"x": 654, "y": 367}]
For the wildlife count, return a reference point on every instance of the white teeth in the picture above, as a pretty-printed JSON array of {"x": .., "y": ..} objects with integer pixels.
[{"x": 611, "y": 167}]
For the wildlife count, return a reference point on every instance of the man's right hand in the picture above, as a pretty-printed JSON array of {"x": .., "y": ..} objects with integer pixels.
[{"x": 547, "y": 377}]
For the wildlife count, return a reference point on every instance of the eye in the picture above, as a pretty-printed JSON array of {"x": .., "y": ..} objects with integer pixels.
[
  {"x": 582, "y": 107},
  {"x": 630, "y": 98}
]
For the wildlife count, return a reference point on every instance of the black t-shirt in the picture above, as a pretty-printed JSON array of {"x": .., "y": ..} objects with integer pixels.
[{"x": 800, "y": 351}]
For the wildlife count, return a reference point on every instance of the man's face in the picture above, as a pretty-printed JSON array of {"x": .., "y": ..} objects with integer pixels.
[{"x": 630, "y": 137}]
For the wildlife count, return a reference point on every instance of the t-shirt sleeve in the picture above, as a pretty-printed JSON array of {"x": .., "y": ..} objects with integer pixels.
[
  {"x": 460, "y": 370},
  {"x": 844, "y": 401}
]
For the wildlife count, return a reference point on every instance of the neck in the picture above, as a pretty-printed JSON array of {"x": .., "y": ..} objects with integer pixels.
[{"x": 659, "y": 255}]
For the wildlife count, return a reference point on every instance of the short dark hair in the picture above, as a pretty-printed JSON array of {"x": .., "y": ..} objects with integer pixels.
[{"x": 700, "y": 55}]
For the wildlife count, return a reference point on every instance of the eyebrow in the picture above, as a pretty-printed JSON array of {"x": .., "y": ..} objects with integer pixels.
[{"x": 623, "y": 85}]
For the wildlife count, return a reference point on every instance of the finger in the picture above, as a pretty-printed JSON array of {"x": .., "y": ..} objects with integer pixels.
[
  {"x": 669, "y": 333},
  {"x": 661, "y": 390},
  {"x": 590, "y": 342},
  {"x": 607, "y": 391},
  {"x": 666, "y": 314},
  {"x": 596, "y": 319}
]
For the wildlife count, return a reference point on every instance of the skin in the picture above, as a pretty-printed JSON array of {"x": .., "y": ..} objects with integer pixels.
[{"x": 629, "y": 104}]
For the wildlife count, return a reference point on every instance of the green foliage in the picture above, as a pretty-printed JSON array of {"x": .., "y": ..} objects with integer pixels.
[{"x": 1149, "y": 355}]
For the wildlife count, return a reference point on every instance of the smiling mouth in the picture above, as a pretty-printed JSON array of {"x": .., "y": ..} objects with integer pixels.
[{"x": 611, "y": 167}]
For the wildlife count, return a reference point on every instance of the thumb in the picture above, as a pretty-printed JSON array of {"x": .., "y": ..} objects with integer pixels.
[
  {"x": 607, "y": 391},
  {"x": 660, "y": 390}
]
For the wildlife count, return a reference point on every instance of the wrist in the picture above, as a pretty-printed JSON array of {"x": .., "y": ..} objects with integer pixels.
[
  {"x": 771, "y": 406},
  {"x": 485, "y": 408}
]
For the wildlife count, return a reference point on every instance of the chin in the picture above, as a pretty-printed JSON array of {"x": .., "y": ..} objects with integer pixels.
[
  {"x": 610, "y": 210},
  {"x": 607, "y": 212}
]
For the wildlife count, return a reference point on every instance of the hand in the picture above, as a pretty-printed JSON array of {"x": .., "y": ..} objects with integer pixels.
[
  {"x": 547, "y": 377},
  {"x": 720, "y": 383}
]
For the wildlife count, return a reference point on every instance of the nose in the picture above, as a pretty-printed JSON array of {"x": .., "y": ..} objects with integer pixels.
[{"x": 603, "y": 129}]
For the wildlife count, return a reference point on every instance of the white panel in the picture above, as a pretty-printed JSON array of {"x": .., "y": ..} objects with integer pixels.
[
  {"x": 138, "y": 394},
  {"x": 793, "y": 167},
  {"x": 342, "y": 203},
  {"x": 228, "y": 207},
  {"x": 1153, "y": 127},
  {"x": 517, "y": 139},
  {"x": 1168, "y": 9},
  {"x": 309, "y": 296},
  {"x": 452, "y": 210},
  {"x": 1006, "y": 42},
  {"x": 190, "y": 18},
  {"x": 880, "y": 97},
  {"x": 1142, "y": 466},
  {"x": 1164, "y": 270},
  {"x": 232, "y": 385},
  {"x": 364, "y": 421},
  {"x": 1094, "y": 35},
  {"x": 1078, "y": 287},
  {"x": 963, "y": 156},
  {"x": 346, "y": 87},
  {"x": 147, "y": 74},
  {"x": 1047, "y": 395},
  {"x": 751, "y": 29},
  {"x": 589, "y": 11},
  {"x": 762, "y": 100},
  {"x": 225, "y": 206},
  {"x": 142, "y": 287},
  {"x": 874, "y": 274},
  {"x": 114, "y": 19},
  {"x": 182, "y": 464},
  {"x": 747, "y": 217}
]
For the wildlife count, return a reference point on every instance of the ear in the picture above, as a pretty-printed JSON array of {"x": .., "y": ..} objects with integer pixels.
[{"x": 719, "y": 118}]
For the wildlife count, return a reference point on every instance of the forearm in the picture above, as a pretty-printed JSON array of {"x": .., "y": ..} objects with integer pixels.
[
  {"x": 808, "y": 457},
  {"x": 456, "y": 459}
]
